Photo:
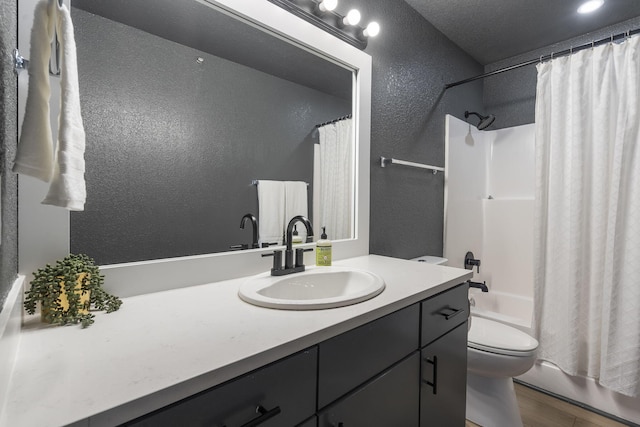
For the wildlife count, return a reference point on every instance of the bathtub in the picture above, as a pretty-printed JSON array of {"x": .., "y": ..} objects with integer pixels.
[
  {"x": 517, "y": 311},
  {"x": 513, "y": 310}
]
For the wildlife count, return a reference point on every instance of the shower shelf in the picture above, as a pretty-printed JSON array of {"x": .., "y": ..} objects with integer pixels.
[{"x": 384, "y": 162}]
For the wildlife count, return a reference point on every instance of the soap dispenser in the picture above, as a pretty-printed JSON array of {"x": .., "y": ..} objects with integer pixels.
[{"x": 323, "y": 250}]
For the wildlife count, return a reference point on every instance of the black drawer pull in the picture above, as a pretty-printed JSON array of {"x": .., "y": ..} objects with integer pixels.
[
  {"x": 264, "y": 416},
  {"x": 448, "y": 313},
  {"x": 434, "y": 384}
]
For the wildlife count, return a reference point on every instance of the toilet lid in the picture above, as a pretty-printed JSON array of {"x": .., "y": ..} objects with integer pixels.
[{"x": 499, "y": 338}]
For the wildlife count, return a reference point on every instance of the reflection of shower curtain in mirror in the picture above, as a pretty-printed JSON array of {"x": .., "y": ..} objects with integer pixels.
[
  {"x": 587, "y": 225},
  {"x": 333, "y": 180}
]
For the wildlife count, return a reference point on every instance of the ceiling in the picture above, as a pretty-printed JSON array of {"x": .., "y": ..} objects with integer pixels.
[{"x": 492, "y": 30}]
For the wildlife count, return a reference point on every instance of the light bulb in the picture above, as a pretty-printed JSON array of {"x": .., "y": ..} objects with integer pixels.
[
  {"x": 326, "y": 5},
  {"x": 352, "y": 18},
  {"x": 590, "y": 6},
  {"x": 372, "y": 29}
]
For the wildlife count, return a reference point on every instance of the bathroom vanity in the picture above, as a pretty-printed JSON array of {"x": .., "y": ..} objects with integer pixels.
[
  {"x": 367, "y": 376},
  {"x": 200, "y": 355}
]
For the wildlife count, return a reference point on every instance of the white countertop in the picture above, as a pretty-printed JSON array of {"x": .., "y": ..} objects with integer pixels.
[{"x": 162, "y": 347}]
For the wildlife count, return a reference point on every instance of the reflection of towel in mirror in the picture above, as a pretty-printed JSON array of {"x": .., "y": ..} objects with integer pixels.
[
  {"x": 34, "y": 156},
  {"x": 35, "y": 150},
  {"x": 270, "y": 211},
  {"x": 295, "y": 197}
]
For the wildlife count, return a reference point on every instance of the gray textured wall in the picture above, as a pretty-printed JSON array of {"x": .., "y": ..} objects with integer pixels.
[
  {"x": 412, "y": 61},
  {"x": 8, "y": 135},
  {"x": 172, "y": 146},
  {"x": 511, "y": 96}
]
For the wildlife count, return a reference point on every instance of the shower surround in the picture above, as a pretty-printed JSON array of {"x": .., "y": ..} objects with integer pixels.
[{"x": 489, "y": 210}]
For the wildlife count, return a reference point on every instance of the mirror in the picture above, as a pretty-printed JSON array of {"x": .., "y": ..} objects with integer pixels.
[{"x": 183, "y": 107}]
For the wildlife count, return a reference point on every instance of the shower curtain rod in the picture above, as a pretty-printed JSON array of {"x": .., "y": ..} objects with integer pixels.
[
  {"x": 348, "y": 116},
  {"x": 546, "y": 57}
]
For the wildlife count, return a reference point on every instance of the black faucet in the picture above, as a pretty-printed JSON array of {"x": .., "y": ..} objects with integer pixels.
[
  {"x": 482, "y": 286},
  {"x": 289, "y": 265},
  {"x": 254, "y": 224}
]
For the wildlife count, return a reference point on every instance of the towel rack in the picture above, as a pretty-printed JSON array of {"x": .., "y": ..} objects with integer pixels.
[
  {"x": 257, "y": 181},
  {"x": 384, "y": 162}
]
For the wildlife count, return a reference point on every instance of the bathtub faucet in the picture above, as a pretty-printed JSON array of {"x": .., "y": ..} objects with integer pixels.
[{"x": 482, "y": 286}]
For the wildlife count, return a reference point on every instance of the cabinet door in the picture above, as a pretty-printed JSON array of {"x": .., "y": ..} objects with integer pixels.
[
  {"x": 444, "y": 380},
  {"x": 390, "y": 399},
  {"x": 350, "y": 359},
  {"x": 280, "y": 394}
]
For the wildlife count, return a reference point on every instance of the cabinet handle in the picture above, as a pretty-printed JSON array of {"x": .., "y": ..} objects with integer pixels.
[
  {"x": 434, "y": 384},
  {"x": 448, "y": 312},
  {"x": 264, "y": 416}
]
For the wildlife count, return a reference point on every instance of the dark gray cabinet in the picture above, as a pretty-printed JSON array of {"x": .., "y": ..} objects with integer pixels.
[
  {"x": 405, "y": 369},
  {"x": 390, "y": 399}
]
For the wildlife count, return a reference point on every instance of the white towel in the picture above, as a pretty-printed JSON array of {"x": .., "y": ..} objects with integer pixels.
[
  {"x": 35, "y": 150},
  {"x": 67, "y": 188},
  {"x": 271, "y": 211},
  {"x": 295, "y": 199},
  {"x": 34, "y": 156}
]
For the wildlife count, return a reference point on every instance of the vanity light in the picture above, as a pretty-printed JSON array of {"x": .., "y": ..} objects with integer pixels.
[
  {"x": 327, "y": 5},
  {"x": 590, "y": 6},
  {"x": 352, "y": 18},
  {"x": 321, "y": 13},
  {"x": 372, "y": 30}
]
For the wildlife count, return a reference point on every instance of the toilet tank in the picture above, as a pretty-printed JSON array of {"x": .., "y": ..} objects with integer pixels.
[{"x": 429, "y": 259}]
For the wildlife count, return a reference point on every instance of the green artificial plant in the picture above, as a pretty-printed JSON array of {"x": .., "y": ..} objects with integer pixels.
[{"x": 51, "y": 285}]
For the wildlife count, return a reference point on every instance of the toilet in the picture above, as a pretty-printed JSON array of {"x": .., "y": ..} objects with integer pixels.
[{"x": 495, "y": 354}]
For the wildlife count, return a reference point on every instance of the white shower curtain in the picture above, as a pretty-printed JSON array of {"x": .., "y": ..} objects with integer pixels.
[
  {"x": 333, "y": 180},
  {"x": 587, "y": 226}
]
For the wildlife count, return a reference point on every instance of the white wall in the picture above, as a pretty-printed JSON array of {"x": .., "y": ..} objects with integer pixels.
[{"x": 489, "y": 190}]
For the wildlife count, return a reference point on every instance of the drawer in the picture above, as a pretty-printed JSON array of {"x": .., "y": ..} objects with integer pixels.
[
  {"x": 348, "y": 360},
  {"x": 443, "y": 312},
  {"x": 286, "y": 388}
]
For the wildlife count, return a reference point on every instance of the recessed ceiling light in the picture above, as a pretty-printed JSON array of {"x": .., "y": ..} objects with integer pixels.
[{"x": 590, "y": 6}]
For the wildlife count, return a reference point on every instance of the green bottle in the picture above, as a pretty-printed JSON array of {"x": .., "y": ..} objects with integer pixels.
[{"x": 323, "y": 250}]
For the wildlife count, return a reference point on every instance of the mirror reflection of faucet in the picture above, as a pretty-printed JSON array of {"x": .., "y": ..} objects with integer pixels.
[
  {"x": 254, "y": 225},
  {"x": 289, "y": 265}
]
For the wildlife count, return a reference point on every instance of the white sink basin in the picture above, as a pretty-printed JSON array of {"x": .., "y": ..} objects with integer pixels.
[{"x": 315, "y": 288}]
